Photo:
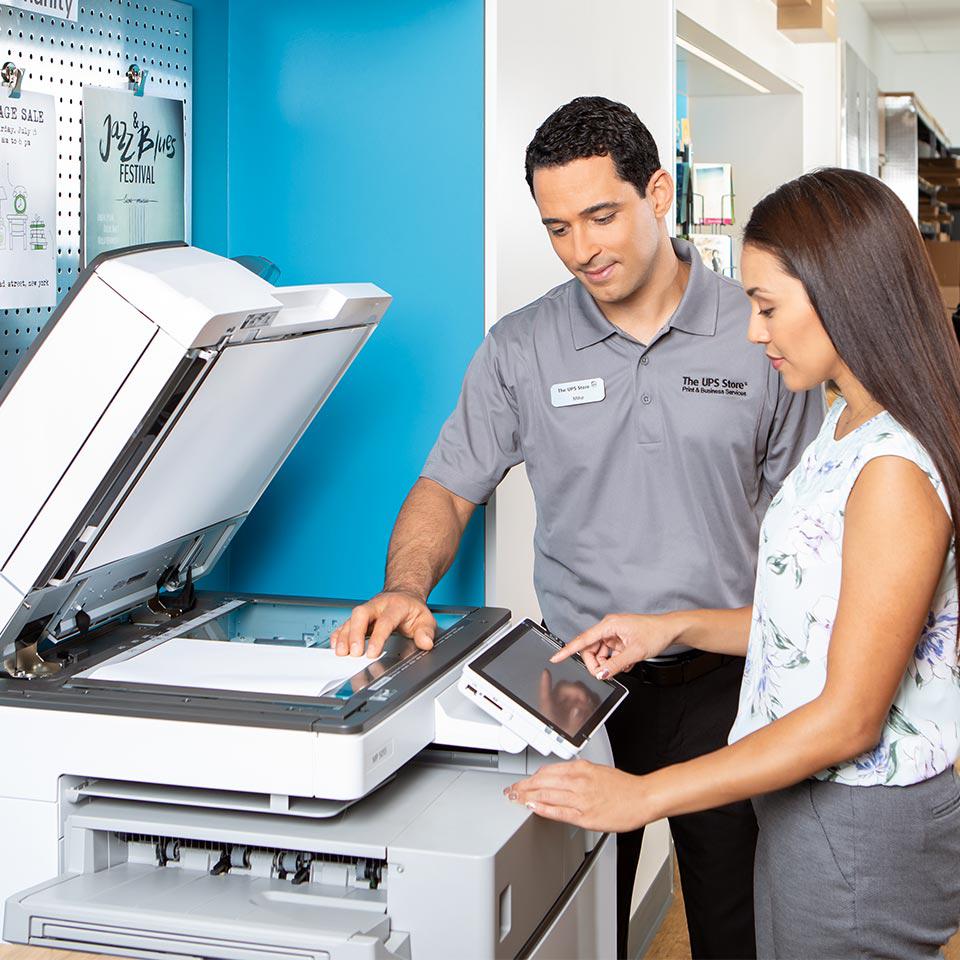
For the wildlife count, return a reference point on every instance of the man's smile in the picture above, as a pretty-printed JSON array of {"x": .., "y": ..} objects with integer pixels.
[{"x": 599, "y": 274}]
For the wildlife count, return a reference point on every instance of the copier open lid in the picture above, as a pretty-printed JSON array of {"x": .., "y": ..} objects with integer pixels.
[{"x": 147, "y": 419}]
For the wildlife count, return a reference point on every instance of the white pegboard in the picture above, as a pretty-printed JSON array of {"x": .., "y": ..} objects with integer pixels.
[{"x": 59, "y": 58}]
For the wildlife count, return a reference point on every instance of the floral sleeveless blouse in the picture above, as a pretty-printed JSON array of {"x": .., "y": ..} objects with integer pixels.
[{"x": 795, "y": 604}]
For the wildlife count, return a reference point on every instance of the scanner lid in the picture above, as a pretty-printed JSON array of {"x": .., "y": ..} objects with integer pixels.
[{"x": 149, "y": 417}]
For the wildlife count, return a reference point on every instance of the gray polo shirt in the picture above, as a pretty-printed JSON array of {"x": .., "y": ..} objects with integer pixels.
[{"x": 651, "y": 464}]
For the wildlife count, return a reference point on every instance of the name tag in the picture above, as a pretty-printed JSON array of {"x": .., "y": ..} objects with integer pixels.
[{"x": 577, "y": 391}]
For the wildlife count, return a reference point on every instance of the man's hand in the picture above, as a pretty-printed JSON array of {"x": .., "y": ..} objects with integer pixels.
[
  {"x": 388, "y": 612},
  {"x": 619, "y": 641}
]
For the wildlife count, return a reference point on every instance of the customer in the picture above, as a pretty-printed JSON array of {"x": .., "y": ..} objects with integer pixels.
[
  {"x": 649, "y": 482},
  {"x": 849, "y": 716}
]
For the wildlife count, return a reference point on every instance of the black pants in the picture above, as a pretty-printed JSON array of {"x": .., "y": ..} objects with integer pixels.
[{"x": 657, "y": 726}]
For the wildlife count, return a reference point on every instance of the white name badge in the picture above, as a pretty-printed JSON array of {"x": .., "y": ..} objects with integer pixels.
[{"x": 577, "y": 391}]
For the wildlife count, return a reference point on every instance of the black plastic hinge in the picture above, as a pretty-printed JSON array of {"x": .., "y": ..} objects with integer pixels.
[{"x": 170, "y": 604}]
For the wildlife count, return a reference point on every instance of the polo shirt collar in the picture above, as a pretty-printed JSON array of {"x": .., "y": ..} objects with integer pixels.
[
  {"x": 696, "y": 313},
  {"x": 587, "y": 322}
]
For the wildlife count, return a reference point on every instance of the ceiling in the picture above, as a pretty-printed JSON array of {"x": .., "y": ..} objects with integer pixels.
[{"x": 917, "y": 26}]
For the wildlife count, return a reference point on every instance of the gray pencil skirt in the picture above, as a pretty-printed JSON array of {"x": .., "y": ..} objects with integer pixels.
[{"x": 858, "y": 871}]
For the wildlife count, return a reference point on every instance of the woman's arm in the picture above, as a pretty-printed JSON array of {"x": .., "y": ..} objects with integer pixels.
[
  {"x": 620, "y": 640},
  {"x": 719, "y": 631},
  {"x": 896, "y": 537}
]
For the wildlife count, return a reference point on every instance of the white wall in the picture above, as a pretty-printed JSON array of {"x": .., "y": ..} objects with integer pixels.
[
  {"x": 856, "y": 28},
  {"x": 762, "y": 136},
  {"x": 821, "y": 104},
  {"x": 541, "y": 54},
  {"x": 934, "y": 78},
  {"x": 749, "y": 27}
]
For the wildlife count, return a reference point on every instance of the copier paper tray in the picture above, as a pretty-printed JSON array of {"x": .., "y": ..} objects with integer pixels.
[{"x": 143, "y": 911}]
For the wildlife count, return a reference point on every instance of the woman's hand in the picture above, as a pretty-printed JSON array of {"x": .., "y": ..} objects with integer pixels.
[
  {"x": 619, "y": 641},
  {"x": 585, "y": 794}
]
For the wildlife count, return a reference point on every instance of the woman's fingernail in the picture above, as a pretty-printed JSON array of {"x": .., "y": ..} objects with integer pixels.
[
  {"x": 603, "y": 674},
  {"x": 514, "y": 795},
  {"x": 530, "y": 805}
]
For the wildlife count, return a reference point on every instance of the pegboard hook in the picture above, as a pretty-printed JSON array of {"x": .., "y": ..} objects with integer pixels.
[
  {"x": 137, "y": 79},
  {"x": 11, "y": 76}
]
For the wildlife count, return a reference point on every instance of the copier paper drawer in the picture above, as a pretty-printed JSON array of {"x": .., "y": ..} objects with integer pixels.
[{"x": 141, "y": 910}]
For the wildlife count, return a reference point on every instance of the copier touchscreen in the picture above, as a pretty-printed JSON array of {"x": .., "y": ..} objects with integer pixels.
[{"x": 562, "y": 695}]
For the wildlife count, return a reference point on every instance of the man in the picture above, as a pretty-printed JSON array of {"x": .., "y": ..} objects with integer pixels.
[{"x": 654, "y": 436}]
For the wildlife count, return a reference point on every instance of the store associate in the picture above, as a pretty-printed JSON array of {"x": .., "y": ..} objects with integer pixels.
[{"x": 654, "y": 437}]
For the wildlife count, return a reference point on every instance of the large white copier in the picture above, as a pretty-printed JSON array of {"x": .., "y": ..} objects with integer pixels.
[{"x": 161, "y": 816}]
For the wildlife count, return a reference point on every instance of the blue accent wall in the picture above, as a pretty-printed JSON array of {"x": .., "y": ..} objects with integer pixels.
[
  {"x": 210, "y": 124},
  {"x": 354, "y": 151},
  {"x": 209, "y": 197}
]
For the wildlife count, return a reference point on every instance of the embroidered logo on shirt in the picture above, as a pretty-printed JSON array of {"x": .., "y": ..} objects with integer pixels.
[{"x": 721, "y": 386}]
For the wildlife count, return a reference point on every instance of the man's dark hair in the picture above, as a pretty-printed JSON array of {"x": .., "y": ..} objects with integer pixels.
[{"x": 595, "y": 127}]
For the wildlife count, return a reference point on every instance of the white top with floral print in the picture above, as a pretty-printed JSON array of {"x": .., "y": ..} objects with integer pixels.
[{"x": 795, "y": 603}]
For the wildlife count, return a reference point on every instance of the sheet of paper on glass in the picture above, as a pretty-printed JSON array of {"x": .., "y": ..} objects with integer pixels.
[
  {"x": 133, "y": 170},
  {"x": 28, "y": 201},
  {"x": 215, "y": 665}
]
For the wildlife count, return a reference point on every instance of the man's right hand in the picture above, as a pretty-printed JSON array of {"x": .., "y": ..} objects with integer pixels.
[{"x": 388, "y": 612}]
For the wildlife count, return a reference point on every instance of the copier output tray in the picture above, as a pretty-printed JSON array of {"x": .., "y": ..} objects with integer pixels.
[
  {"x": 143, "y": 911},
  {"x": 152, "y": 878}
]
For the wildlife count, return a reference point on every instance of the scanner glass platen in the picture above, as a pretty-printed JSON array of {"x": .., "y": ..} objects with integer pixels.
[{"x": 262, "y": 648}]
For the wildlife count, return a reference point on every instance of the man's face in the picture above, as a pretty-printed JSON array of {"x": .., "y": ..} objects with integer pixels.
[{"x": 605, "y": 233}]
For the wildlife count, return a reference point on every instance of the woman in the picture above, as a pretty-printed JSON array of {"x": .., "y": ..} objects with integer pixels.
[{"x": 849, "y": 718}]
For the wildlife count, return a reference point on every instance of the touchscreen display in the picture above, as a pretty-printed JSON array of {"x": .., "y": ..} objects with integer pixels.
[{"x": 564, "y": 694}]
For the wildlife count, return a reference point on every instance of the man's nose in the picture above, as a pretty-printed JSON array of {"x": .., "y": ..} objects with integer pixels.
[{"x": 584, "y": 248}]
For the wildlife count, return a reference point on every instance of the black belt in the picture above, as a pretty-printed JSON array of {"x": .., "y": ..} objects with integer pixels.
[{"x": 674, "y": 671}]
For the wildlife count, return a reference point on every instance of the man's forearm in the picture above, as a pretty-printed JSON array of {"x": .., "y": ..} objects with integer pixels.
[{"x": 425, "y": 538}]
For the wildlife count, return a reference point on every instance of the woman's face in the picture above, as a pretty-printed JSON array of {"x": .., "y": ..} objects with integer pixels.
[{"x": 784, "y": 321}]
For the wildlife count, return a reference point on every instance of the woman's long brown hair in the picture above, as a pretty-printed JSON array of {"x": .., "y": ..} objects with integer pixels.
[{"x": 850, "y": 241}]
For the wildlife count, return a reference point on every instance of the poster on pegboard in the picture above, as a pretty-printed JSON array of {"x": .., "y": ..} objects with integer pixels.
[
  {"x": 133, "y": 170},
  {"x": 28, "y": 201}
]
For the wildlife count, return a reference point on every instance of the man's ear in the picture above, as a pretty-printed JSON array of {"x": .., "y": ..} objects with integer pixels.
[{"x": 661, "y": 192}]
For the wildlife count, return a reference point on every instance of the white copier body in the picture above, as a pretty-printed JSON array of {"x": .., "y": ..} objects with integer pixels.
[{"x": 152, "y": 818}]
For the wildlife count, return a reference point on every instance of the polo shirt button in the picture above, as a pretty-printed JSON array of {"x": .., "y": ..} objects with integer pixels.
[
  {"x": 646, "y": 398},
  {"x": 644, "y": 359}
]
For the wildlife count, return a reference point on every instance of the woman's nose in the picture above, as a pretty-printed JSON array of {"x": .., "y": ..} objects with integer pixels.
[{"x": 757, "y": 331}]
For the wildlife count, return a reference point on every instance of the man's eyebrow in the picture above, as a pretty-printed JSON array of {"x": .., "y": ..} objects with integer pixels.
[{"x": 596, "y": 208}]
